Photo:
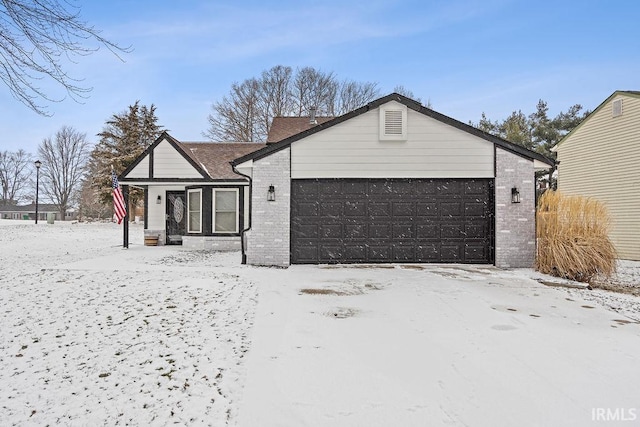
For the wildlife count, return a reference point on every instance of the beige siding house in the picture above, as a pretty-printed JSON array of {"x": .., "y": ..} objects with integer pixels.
[{"x": 601, "y": 159}]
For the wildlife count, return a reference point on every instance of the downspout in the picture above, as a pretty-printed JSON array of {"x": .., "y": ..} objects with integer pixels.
[{"x": 242, "y": 233}]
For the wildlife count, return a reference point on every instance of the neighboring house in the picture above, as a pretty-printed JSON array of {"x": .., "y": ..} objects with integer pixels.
[
  {"x": 600, "y": 158},
  {"x": 191, "y": 194},
  {"x": 392, "y": 181},
  {"x": 29, "y": 212}
]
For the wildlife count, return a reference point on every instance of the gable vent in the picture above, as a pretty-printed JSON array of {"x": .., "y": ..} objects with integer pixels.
[
  {"x": 616, "y": 108},
  {"x": 393, "y": 122}
]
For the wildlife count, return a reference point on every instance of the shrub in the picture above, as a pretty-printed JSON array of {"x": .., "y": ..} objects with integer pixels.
[{"x": 573, "y": 240}]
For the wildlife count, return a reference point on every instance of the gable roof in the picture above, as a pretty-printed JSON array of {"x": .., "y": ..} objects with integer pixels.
[
  {"x": 284, "y": 127},
  {"x": 210, "y": 159},
  {"x": 632, "y": 93},
  {"x": 410, "y": 103},
  {"x": 42, "y": 207}
]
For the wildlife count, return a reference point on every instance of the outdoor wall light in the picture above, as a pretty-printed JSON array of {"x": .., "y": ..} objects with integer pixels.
[
  {"x": 271, "y": 194},
  {"x": 515, "y": 195},
  {"x": 159, "y": 200}
]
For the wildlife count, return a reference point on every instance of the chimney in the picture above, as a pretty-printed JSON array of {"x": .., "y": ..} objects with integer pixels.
[{"x": 312, "y": 116}]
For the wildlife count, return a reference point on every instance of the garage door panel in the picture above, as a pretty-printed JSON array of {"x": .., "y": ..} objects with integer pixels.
[
  {"x": 330, "y": 231},
  {"x": 380, "y": 231},
  {"x": 391, "y": 220},
  {"x": 307, "y": 209},
  {"x": 428, "y": 231},
  {"x": 381, "y": 253},
  {"x": 331, "y": 209},
  {"x": 355, "y": 231},
  {"x": 452, "y": 231},
  {"x": 305, "y": 231},
  {"x": 379, "y": 209},
  {"x": 451, "y": 253},
  {"x": 403, "y": 231},
  {"x": 475, "y": 253},
  {"x": 352, "y": 208},
  {"x": 451, "y": 209},
  {"x": 355, "y": 253},
  {"x": 404, "y": 253},
  {"x": 404, "y": 209},
  {"x": 427, "y": 209},
  {"x": 474, "y": 209}
]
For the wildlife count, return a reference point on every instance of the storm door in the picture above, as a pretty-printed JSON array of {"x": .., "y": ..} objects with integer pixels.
[{"x": 176, "y": 217}]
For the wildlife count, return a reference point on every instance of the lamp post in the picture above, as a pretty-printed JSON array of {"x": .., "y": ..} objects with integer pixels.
[{"x": 38, "y": 163}]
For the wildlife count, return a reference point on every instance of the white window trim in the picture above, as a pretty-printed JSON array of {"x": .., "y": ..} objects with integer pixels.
[
  {"x": 189, "y": 230},
  {"x": 394, "y": 107},
  {"x": 213, "y": 210}
]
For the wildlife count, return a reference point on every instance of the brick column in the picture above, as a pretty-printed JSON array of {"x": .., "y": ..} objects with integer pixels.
[
  {"x": 515, "y": 222},
  {"x": 268, "y": 240}
]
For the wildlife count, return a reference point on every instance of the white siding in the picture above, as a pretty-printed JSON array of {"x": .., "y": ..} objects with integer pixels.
[
  {"x": 601, "y": 160},
  {"x": 156, "y": 214},
  {"x": 141, "y": 170},
  {"x": 353, "y": 149},
  {"x": 168, "y": 163}
]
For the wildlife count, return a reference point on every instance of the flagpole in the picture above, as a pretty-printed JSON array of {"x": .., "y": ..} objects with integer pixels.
[{"x": 125, "y": 226}]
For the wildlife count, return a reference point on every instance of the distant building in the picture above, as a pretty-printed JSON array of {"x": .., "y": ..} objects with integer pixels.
[{"x": 28, "y": 212}]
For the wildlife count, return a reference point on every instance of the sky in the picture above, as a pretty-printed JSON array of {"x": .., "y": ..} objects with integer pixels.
[{"x": 465, "y": 57}]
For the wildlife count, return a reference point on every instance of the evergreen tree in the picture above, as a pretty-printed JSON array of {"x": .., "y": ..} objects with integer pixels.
[{"x": 124, "y": 137}]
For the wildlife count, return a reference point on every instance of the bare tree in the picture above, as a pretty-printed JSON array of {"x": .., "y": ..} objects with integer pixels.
[
  {"x": 64, "y": 160},
  {"x": 247, "y": 112},
  {"x": 15, "y": 171},
  {"x": 409, "y": 94},
  {"x": 35, "y": 37},
  {"x": 236, "y": 116}
]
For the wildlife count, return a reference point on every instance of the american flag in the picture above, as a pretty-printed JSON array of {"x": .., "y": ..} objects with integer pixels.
[{"x": 118, "y": 198}]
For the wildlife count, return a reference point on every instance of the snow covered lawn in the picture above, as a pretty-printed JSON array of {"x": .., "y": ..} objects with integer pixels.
[{"x": 96, "y": 335}]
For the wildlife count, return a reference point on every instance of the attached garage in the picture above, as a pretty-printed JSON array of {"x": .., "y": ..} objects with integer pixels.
[
  {"x": 391, "y": 182},
  {"x": 391, "y": 220}
]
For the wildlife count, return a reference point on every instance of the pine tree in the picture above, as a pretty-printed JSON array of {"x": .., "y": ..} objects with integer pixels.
[{"x": 124, "y": 137}]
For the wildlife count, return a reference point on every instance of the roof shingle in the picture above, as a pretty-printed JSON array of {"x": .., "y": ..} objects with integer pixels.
[
  {"x": 284, "y": 127},
  {"x": 214, "y": 157}
]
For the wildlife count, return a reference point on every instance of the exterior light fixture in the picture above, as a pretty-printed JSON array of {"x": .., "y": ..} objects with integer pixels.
[
  {"x": 38, "y": 163},
  {"x": 515, "y": 195},
  {"x": 159, "y": 200},
  {"x": 271, "y": 194}
]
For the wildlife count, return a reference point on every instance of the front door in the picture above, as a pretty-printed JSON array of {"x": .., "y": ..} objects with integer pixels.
[{"x": 176, "y": 217}]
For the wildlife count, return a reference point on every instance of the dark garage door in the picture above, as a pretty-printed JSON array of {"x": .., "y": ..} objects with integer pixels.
[{"x": 391, "y": 220}]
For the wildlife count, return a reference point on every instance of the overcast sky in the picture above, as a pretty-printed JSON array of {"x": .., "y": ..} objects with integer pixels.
[{"x": 466, "y": 57}]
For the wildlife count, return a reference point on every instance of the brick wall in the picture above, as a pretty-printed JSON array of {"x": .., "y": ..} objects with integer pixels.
[
  {"x": 211, "y": 243},
  {"x": 268, "y": 239},
  {"x": 515, "y": 222}
]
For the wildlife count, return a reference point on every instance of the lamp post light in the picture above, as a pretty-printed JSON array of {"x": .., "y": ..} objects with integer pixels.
[{"x": 38, "y": 163}]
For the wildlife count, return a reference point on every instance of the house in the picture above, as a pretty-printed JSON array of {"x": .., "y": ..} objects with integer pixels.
[
  {"x": 191, "y": 194},
  {"x": 392, "y": 181},
  {"x": 28, "y": 212},
  {"x": 600, "y": 158}
]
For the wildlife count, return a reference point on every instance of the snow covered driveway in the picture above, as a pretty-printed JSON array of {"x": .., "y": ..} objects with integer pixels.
[
  {"x": 437, "y": 346},
  {"x": 92, "y": 334}
]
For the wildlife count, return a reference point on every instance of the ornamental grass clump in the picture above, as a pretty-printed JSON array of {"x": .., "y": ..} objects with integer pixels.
[{"x": 573, "y": 240}]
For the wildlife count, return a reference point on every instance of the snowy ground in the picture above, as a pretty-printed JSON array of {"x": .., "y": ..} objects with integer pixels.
[{"x": 96, "y": 335}]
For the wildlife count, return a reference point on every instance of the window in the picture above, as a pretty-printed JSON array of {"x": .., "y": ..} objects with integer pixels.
[
  {"x": 225, "y": 211},
  {"x": 393, "y": 123},
  {"x": 194, "y": 208}
]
